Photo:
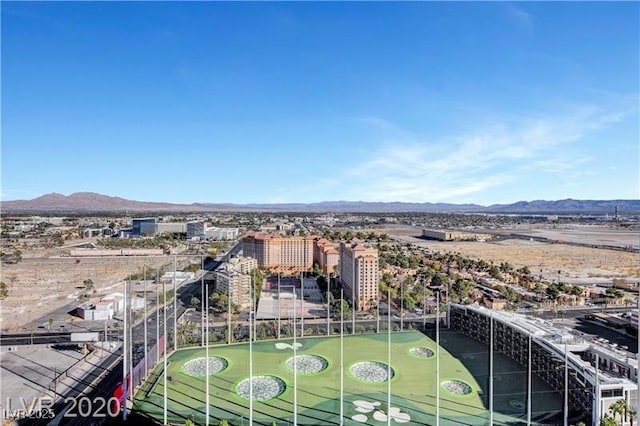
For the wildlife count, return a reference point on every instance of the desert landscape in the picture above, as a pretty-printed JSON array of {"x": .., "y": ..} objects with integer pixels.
[
  {"x": 46, "y": 280},
  {"x": 575, "y": 265}
]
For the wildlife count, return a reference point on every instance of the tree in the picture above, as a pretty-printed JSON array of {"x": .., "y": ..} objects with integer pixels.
[
  {"x": 620, "y": 408},
  {"x": 50, "y": 321},
  {"x": 335, "y": 308},
  {"x": 195, "y": 302},
  {"x": 223, "y": 422},
  {"x": 3, "y": 290},
  {"x": 553, "y": 292},
  {"x": 88, "y": 284},
  {"x": 608, "y": 421}
]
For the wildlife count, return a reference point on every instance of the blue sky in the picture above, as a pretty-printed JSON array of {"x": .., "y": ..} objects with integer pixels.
[{"x": 302, "y": 102}]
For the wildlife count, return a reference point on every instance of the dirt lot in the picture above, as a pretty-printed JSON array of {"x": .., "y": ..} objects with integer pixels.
[
  {"x": 42, "y": 282},
  {"x": 577, "y": 264}
]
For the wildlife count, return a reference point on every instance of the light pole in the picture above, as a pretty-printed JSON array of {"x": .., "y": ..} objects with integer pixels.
[
  {"x": 402, "y": 306},
  {"x": 157, "y": 318},
  {"x": 146, "y": 362},
  {"x": 175, "y": 303},
  {"x": 164, "y": 358},
  {"x": 438, "y": 360},
  {"x": 202, "y": 304},
  {"x": 124, "y": 352},
  {"x": 353, "y": 292},
  {"x": 389, "y": 361},
  {"x": 206, "y": 338},
  {"x": 328, "y": 305},
  {"x": 295, "y": 363},
  {"x": 529, "y": 383},
  {"x": 250, "y": 353},
  {"x": 341, "y": 354}
]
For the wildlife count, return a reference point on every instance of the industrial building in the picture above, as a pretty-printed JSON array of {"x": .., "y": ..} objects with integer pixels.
[
  {"x": 107, "y": 307},
  {"x": 444, "y": 235}
]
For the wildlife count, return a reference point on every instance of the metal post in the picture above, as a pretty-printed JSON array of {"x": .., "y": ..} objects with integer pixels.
[
  {"x": 353, "y": 292},
  {"x": 279, "y": 307},
  {"x": 206, "y": 342},
  {"x": 228, "y": 312},
  {"x": 401, "y": 306},
  {"x": 377, "y": 308},
  {"x": 341, "y": 355},
  {"x": 424, "y": 303},
  {"x": 438, "y": 360},
  {"x": 295, "y": 354},
  {"x": 202, "y": 296},
  {"x": 491, "y": 369},
  {"x": 389, "y": 362},
  {"x": 638, "y": 361},
  {"x": 529, "y": 385},
  {"x": 250, "y": 353},
  {"x": 164, "y": 358},
  {"x": 124, "y": 352},
  {"x": 566, "y": 385},
  {"x": 130, "y": 384},
  {"x": 157, "y": 319},
  {"x": 302, "y": 304},
  {"x": 106, "y": 337},
  {"x": 146, "y": 343},
  {"x": 328, "y": 306},
  {"x": 597, "y": 401},
  {"x": 175, "y": 304}
]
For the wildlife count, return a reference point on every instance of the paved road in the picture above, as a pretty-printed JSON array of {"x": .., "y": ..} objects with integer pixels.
[{"x": 106, "y": 377}]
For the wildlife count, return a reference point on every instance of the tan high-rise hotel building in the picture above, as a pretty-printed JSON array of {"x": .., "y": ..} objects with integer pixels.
[{"x": 359, "y": 274}]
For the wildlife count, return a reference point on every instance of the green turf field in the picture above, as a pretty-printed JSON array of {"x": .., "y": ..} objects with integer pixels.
[{"x": 413, "y": 386}]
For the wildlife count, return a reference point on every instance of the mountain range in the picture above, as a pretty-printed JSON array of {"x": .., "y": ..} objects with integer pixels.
[{"x": 88, "y": 202}]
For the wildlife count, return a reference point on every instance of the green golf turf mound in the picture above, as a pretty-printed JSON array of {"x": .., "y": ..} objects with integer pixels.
[{"x": 364, "y": 378}]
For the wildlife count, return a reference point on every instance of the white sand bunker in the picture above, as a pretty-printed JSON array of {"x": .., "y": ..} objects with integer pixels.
[{"x": 198, "y": 367}]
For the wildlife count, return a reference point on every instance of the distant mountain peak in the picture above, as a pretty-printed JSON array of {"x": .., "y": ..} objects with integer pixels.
[{"x": 84, "y": 202}]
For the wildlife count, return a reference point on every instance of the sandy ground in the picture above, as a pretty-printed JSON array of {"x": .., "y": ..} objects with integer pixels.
[
  {"x": 576, "y": 264},
  {"x": 43, "y": 282}
]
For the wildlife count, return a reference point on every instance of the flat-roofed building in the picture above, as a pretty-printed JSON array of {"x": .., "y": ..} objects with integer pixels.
[
  {"x": 359, "y": 274},
  {"x": 446, "y": 235},
  {"x": 222, "y": 233},
  {"x": 171, "y": 228},
  {"x": 196, "y": 229},
  {"x": 235, "y": 284},
  {"x": 143, "y": 226},
  {"x": 244, "y": 265}
]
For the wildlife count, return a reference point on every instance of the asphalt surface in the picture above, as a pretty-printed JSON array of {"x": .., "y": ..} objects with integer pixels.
[{"x": 107, "y": 376}]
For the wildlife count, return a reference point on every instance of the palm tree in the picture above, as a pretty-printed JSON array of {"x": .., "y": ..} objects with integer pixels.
[
  {"x": 619, "y": 407},
  {"x": 632, "y": 415}
]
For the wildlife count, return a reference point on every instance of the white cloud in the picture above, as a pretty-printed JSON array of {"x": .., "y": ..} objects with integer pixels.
[
  {"x": 446, "y": 169},
  {"x": 519, "y": 17}
]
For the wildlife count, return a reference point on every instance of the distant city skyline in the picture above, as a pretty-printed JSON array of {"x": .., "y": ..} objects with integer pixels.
[{"x": 217, "y": 102}]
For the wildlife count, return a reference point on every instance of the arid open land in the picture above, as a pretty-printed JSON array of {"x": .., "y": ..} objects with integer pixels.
[
  {"x": 46, "y": 280},
  {"x": 577, "y": 264}
]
